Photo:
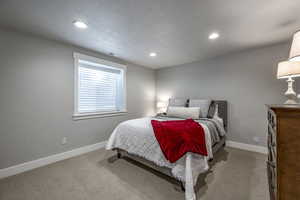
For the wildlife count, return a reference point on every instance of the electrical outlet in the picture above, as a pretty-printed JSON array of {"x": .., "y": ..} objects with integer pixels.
[{"x": 64, "y": 141}]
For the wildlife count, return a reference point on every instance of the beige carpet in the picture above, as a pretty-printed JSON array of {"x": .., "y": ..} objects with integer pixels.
[{"x": 235, "y": 175}]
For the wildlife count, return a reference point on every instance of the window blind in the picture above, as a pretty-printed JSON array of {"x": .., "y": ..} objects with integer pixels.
[{"x": 100, "y": 88}]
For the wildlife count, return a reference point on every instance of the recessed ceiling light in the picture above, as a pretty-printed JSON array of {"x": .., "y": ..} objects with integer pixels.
[
  {"x": 213, "y": 36},
  {"x": 80, "y": 24},
  {"x": 152, "y": 54}
]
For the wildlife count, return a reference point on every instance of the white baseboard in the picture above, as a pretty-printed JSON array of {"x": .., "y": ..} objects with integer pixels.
[
  {"x": 17, "y": 169},
  {"x": 247, "y": 147}
]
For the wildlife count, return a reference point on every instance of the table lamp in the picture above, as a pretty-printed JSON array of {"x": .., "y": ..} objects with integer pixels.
[
  {"x": 289, "y": 70},
  {"x": 161, "y": 106},
  {"x": 295, "y": 48}
]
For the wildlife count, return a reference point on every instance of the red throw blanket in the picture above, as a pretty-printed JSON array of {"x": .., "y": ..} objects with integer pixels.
[{"x": 176, "y": 138}]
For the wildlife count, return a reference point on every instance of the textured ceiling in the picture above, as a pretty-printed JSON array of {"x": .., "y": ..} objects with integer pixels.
[{"x": 176, "y": 29}]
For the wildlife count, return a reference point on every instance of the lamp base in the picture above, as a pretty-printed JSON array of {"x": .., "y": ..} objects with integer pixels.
[
  {"x": 290, "y": 93},
  {"x": 291, "y": 101}
]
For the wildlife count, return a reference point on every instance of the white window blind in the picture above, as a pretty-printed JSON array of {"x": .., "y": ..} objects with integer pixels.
[{"x": 100, "y": 86}]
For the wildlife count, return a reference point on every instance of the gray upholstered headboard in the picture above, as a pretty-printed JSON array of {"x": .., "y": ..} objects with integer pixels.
[
  {"x": 222, "y": 107},
  {"x": 222, "y": 111}
]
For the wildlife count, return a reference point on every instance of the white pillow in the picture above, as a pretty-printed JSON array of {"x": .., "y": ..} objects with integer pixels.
[
  {"x": 183, "y": 112},
  {"x": 204, "y": 105}
]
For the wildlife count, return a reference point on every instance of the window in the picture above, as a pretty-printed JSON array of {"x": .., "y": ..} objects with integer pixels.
[{"x": 100, "y": 87}]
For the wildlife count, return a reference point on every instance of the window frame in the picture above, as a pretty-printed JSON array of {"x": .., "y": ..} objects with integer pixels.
[{"x": 88, "y": 115}]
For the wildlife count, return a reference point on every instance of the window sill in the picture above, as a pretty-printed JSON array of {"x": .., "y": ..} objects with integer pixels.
[{"x": 82, "y": 116}]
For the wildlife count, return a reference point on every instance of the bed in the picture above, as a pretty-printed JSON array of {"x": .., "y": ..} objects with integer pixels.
[{"x": 135, "y": 140}]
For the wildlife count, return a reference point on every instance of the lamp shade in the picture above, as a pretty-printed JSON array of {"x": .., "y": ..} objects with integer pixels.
[
  {"x": 295, "y": 48},
  {"x": 288, "y": 69}
]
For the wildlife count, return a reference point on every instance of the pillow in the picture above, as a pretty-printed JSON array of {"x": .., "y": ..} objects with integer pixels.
[
  {"x": 183, "y": 112},
  {"x": 203, "y": 104},
  {"x": 177, "y": 102}
]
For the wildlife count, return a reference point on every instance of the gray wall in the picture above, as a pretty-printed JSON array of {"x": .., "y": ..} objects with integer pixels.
[
  {"x": 36, "y": 104},
  {"x": 36, "y": 85},
  {"x": 247, "y": 80}
]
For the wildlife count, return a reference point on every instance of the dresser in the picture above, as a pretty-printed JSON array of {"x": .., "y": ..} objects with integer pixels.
[{"x": 283, "y": 165}]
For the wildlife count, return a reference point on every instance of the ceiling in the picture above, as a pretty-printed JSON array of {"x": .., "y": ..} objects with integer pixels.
[{"x": 177, "y": 30}]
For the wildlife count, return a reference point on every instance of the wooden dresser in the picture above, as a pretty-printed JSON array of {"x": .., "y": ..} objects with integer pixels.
[{"x": 283, "y": 165}]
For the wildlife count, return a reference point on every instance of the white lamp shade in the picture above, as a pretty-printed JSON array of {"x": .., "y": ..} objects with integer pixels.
[
  {"x": 288, "y": 69},
  {"x": 295, "y": 48}
]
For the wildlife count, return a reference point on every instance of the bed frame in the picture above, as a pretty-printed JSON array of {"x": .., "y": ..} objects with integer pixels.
[{"x": 222, "y": 111}]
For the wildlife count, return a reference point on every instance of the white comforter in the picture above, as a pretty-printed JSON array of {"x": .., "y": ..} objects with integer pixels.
[{"x": 137, "y": 137}]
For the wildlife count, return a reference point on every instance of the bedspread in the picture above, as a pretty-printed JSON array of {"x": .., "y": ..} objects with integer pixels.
[{"x": 137, "y": 138}]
